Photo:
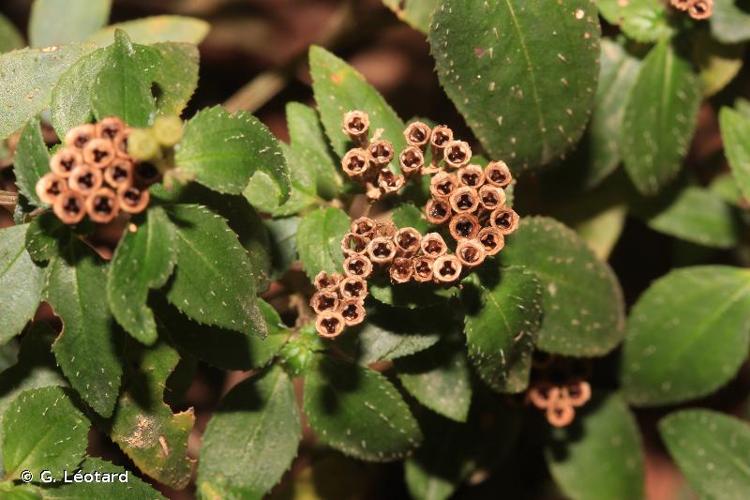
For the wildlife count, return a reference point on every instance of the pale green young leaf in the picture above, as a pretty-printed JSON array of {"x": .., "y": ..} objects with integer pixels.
[
  {"x": 340, "y": 88},
  {"x": 735, "y": 132},
  {"x": 10, "y": 38},
  {"x": 143, "y": 260},
  {"x": 319, "y": 240},
  {"x": 358, "y": 412},
  {"x": 504, "y": 315},
  {"x": 642, "y": 20},
  {"x": 31, "y": 161},
  {"x": 730, "y": 22},
  {"x": 55, "y": 22},
  {"x": 155, "y": 29},
  {"x": 711, "y": 449},
  {"x": 600, "y": 457},
  {"x": 660, "y": 117},
  {"x": 223, "y": 151},
  {"x": 21, "y": 283},
  {"x": 523, "y": 74},
  {"x": 718, "y": 63},
  {"x": 251, "y": 439},
  {"x": 687, "y": 335},
  {"x": 43, "y": 430},
  {"x": 582, "y": 299},
  {"x": 416, "y": 13}
]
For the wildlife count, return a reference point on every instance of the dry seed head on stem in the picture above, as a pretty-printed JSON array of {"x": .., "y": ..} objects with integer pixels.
[
  {"x": 102, "y": 206},
  {"x": 324, "y": 281},
  {"x": 491, "y": 239},
  {"x": 491, "y": 197},
  {"x": 498, "y": 174},
  {"x": 381, "y": 250},
  {"x": 471, "y": 253},
  {"x": 64, "y": 161},
  {"x": 356, "y": 125},
  {"x": 353, "y": 243},
  {"x": 411, "y": 161},
  {"x": 408, "y": 241},
  {"x": 457, "y": 154},
  {"x": 385, "y": 228},
  {"x": 358, "y": 265},
  {"x": 577, "y": 392},
  {"x": 402, "y": 270},
  {"x": 433, "y": 245},
  {"x": 683, "y": 5},
  {"x": 381, "y": 152},
  {"x": 324, "y": 300},
  {"x": 110, "y": 128},
  {"x": 388, "y": 182},
  {"x": 85, "y": 179},
  {"x": 356, "y": 162},
  {"x": 542, "y": 394},
  {"x": 423, "y": 268},
  {"x": 99, "y": 153},
  {"x": 353, "y": 288},
  {"x": 437, "y": 211},
  {"x": 464, "y": 199},
  {"x": 121, "y": 143},
  {"x": 471, "y": 175},
  {"x": 446, "y": 269},
  {"x": 560, "y": 413},
  {"x": 418, "y": 134},
  {"x": 119, "y": 174},
  {"x": 363, "y": 226},
  {"x": 49, "y": 187},
  {"x": 133, "y": 200},
  {"x": 330, "y": 324},
  {"x": 440, "y": 137},
  {"x": 353, "y": 312},
  {"x": 505, "y": 219},
  {"x": 70, "y": 207},
  {"x": 443, "y": 184},
  {"x": 464, "y": 226},
  {"x": 79, "y": 136},
  {"x": 701, "y": 9}
]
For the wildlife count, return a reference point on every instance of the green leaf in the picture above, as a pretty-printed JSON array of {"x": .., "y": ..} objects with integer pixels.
[
  {"x": 31, "y": 161},
  {"x": 687, "y": 335},
  {"x": 121, "y": 87},
  {"x": 601, "y": 458},
  {"x": 174, "y": 73},
  {"x": 696, "y": 215},
  {"x": 439, "y": 379},
  {"x": 225, "y": 349},
  {"x": 642, "y": 20},
  {"x": 21, "y": 283},
  {"x": 26, "y": 81},
  {"x": 283, "y": 235},
  {"x": 500, "y": 331},
  {"x": 214, "y": 282},
  {"x": 319, "y": 240},
  {"x": 145, "y": 428},
  {"x": 415, "y": 13},
  {"x": 87, "y": 349},
  {"x": 735, "y": 132},
  {"x": 45, "y": 237},
  {"x": 223, "y": 151},
  {"x": 526, "y": 95},
  {"x": 56, "y": 23},
  {"x": 339, "y": 88},
  {"x": 718, "y": 63},
  {"x": 42, "y": 430},
  {"x": 10, "y": 38},
  {"x": 660, "y": 117},
  {"x": 251, "y": 440},
  {"x": 143, "y": 260},
  {"x": 409, "y": 295},
  {"x": 712, "y": 451},
  {"x": 582, "y": 301},
  {"x": 358, "y": 412},
  {"x": 618, "y": 73},
  {"x": 602, "y": 231},
  {"x": 726, "y": 188},
  {"x": 408, "y": 215},
  {"x": 150, "y": 30},
  {"x": 730, "y": 21}
]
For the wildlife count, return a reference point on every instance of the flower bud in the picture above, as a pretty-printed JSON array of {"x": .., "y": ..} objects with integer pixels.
[
  {"x": 498, "y": 174},
  {"x": 119, "y": 174},
  {"x": 79, "y": 136},
  {"x": 491, "y": 239},
  {"x": 443, "y": 184},
  {"x": 324, "y": 300},
  {"x": 355, "y": 163},
  {"x": 464, "y": 226},
  {"x": 65, "y": 161},
  {"x": 464, "y": 199},
  {"x": 49, "y": 187},
  {"x": 411, "y": 161},
  {"x": 142, "y": 145},
  {"x": 437, "y": 211},
  {"x": 133, "y": 200},
  {"x": 329, "y": 324},
  {"x": 407, "y": 241},
  {"x": 417, "y": 134},
  {"x": 357, "y": 126},
  {"x": 423, "y": 268},
  {"x": 353, "y": 288},
  {"x": 471, "y": 253},
  {"x": 353, "y": 312},
  {"x": 168, "y": 130},
  {"x": 505, "y": 219},
  {"x": 433, "y": 245},
  {"x": 102, "y": 206},
  {"x": 471, "y": 175},
  {"x": 99, "y": 153},
  {"x": 381, "y": 152},
  {"x": 70, "y": 207},
  {"x": 325, "y": 281},
  {"x": 85, "y": 179},
  {"x": 358, "y": 265},
  {"x": 363, "y": 226},
  {"x": 402, "y": 270},
  {"x": 382, "y": 250},
  {"x": 110, "y": 128},
  {"x": 457, "y": 154},
  {"x": 491, "y": 197},
  {"x": 446, "y": 269}
]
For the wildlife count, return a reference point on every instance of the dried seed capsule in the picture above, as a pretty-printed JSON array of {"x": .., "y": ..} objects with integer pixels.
[
  {"x": 440, "y": 137},
  {"x": 70, "y": 207},
  {"x": 146, "y": 174},
  {"x": 388, "y": 182},
  {"x": 121, "y": 143},
  {"x": 85, "y": 179},
  {"x": 402, "y": 270},
  {"x": 701, "y": 9},
  {"x": 99, "y": 153},
  {"x": 464, "y": 226},
  {"x": 683, "y": 5},
  {"x": 356, "y": 126},
  {"x": 491, "y": 239},
  {"x": 110, "y": 128},
  {"x": 471, "y": 253},
  {"x": 358, "y": 265},
  {"x": 324, "y": 300},
  {"x": 577, "y": 392},
  {"x": 120, "y": 173},
  {"x": 423, "y": 268},
  {"x": 325, "y": 281},
  {"x": 471, "y": 175},
  {"x": 382, "y": 250},
  {"x": 353, "y": 312},
  {"x": 411, "y": 161},
  {"x": 408, "y": 241},
  {"x": 433, "y": 245},
  {"x": 353, "y": 244},
  {"x": 446, "y": 269},
  {"x": 417, "y": 134},
  {"x": 381, "y": 152},
  {"x": 542, "y": 394},
  {"x": 457, "y": 154},
  {"x": 505, "y": 219},
  {"x": 437, "y": 211},
  {"x": 464, "y": 199},
  {"x": 498, "y": 174},
  {"x": 65, "y": 161},
  {"x": 49, "y": 187},
  {"x": 132, "y": 199},
  {"x": 363, "y": 226},
  {"x": 102, "y": 206},
  {"x": 491, "y": 197},
  {"x": 329, "y": 324},
  {"x": 443, "y": 184},
  {"x": 355, "y": 163},
  {"x": 385, "y": 228},
  {"x": 560, "y": 413},
  {"x": 79, "y": 136},
  {"x": 353, "y": 288}
]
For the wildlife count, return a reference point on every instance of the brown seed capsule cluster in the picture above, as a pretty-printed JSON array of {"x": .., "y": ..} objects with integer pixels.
[
  {"x": 560, "y": 401},
  {"x": 339, "y": 300},
  {"x": 93, "y": 174},
  {"x": 697, "y": 9}
]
